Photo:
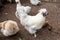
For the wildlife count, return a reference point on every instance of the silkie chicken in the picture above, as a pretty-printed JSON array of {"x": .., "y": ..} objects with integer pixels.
[
  {"x": 35, "y": 2},
  {"x": 20, "y": 8},
  {"x": 32, "y": 23},
  {"x": 9, "y": 28}
]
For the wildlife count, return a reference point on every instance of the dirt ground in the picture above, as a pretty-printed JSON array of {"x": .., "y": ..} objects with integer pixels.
[{"x": 53, "y": 18}]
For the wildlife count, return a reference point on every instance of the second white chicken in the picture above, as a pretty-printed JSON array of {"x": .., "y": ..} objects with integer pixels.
[{"x": 35, "y": 2}]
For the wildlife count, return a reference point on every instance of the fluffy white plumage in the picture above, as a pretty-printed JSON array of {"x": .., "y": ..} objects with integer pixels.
[
  {"x": 31, "y": 23},
  {"x": 21, "y": 9},
  {"x": 9, "y": 28},
  {"x": 24, "y": 8},
  {"x": 35, "y": 2}
]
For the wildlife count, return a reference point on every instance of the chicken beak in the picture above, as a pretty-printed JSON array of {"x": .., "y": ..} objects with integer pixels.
[{"x": 45, "y": 14}]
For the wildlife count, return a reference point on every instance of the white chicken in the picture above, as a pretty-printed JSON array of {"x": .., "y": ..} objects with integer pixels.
[
  {"x": 9, "y": 28},
  {"x": 31, "y": 23},
  {"x": 22, "y": 9},
  {"x": 35, "y": 2}
]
